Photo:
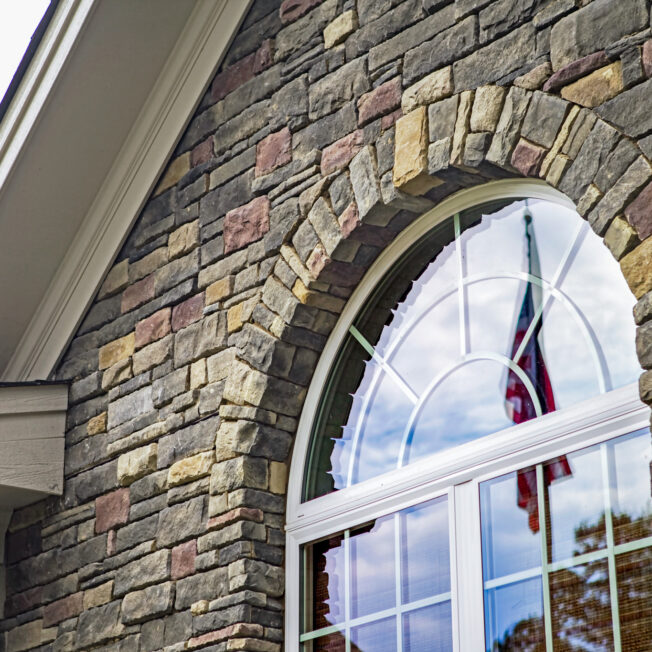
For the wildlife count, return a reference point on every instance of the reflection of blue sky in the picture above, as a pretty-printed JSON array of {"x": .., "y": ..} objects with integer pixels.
[
  {"x": 508, "y": 544},
  {"x": 466, "y": 407},
  {"x": 574, "y": 501},
  {"x": 379, "y": 636},
  {"x": 429, "y": 629},
  {"x": 507, "y": 606}
]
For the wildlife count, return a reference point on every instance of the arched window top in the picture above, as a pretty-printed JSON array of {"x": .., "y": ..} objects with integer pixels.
[{"x": 496, "y": 316}]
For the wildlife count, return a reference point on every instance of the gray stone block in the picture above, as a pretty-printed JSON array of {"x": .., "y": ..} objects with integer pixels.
[
  {"x": 335, "y": 90},
  {"x": 152, "y": 602},
  {"x": 180, "y": 522},
  {"x": 442, "y": 116},
  {"x": 594, "y": 27},
  {"x": 630, "y": 110},
  {"x": 544, "y": 118},
  {"x": 509, "y": 126}
]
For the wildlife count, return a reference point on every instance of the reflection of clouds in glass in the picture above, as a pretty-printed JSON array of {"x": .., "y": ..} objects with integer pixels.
[
  {"x": 508, "y": 544},
  {"x": 428, "y": 629},
  {"x": 510, "y": 606},
  {"x": 575, "y": 501},
  {"x": 372, "y": 569},
  {"x": 466, "y": 407},
  {"x": 379, "y": 636}
]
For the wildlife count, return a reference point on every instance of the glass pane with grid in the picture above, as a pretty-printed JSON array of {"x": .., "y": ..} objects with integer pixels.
[
  {"x": 384, "y": 585},
  {"x": 586, "y": 516}
]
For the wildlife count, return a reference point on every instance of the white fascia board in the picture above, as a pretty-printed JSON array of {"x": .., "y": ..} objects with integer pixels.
[
  {"x": 172, "y": 102},
  {"x": 40, "y": 79}
]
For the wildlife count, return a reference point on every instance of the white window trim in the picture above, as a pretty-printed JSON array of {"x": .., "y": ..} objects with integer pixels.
[{"x": 459, "y": 470}]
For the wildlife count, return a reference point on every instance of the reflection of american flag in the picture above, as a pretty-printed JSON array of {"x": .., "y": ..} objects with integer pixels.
[{"x": 518, "y": 401}]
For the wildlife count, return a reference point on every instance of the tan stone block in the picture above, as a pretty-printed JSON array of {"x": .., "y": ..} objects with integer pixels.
[
  {"x": 198, "y": 374},
  {"x": 219, "y": 365},
  {"x": 561, "y": 138},
  {"x": 98, "y": 595},
  {"x": 461, "y": 127},
  {"x": 596, "y": 88},
  {"x": 411, "y": 152},
  {"x": 240, "y": 313},
  {"x": 97, "y": 424},
  {"x": 117, "y": 350},
  {"x": 148, "y": 264},
  {"x": 116, "y": 374},
  {"x": 183, "y": 240},
  {"x": 219, "y": 290},
  {"x": 436, "y": 86},
  {"x": 589, "y": 199},
  {"x": 637, "y": 268},
  {"x": 191, "y": 468},
  {"x": 116, "y": 280},
  {"x": 317, "y": 299},
  {"x": 152, "y": 355},
  {"x": 277, "y": 477},
  {"x": 136, "y": 464},
  {"x": 175, "y": 170},
  {"x": 28, "y": 636},
  {"x": 340, "y": 28},
  {"x": 557, "y": 169},
  {"x": 487, "y": 105},
  {"x": 620, "y": 238},
  {"x": 198, "y": 608}
]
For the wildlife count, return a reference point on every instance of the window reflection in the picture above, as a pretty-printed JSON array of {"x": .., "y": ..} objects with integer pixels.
[{"x": 454, "y": 323}]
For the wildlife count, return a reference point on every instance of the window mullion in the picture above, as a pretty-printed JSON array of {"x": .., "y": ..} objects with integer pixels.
[
  {"x": 468, "y": 552},
  {"x": 545, "y": 582}
]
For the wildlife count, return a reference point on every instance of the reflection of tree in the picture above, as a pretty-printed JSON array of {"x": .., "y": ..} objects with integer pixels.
[{"x": 581, "y": 600}]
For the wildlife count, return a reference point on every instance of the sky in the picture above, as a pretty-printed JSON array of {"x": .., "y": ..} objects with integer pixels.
[{"x": 19, "y": 20}]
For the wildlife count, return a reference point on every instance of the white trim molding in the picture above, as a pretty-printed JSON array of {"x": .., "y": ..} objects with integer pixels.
[{"x": 171, "y": 103}]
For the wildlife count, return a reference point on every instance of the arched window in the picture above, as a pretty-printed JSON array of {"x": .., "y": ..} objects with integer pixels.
[{"x": 473, "y": 444}]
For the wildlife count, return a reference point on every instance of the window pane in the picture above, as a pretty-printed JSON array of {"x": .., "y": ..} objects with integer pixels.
[
  {"x": 425, "y": 551},
  {"x": 379, "y": 636},
  {"x": 373, "y": 586},
  {"x": 326, "y": 598},
  {"x": 514, "y": 617},
  {"x": 581, "y": 607},
  {"x": 631, "y": 459},
  {"x": 429, "y": 629},
  {"x": 511, "y": 541},
  {"x": 575, "y": 497},
  {"x": 634, "y": 572}
]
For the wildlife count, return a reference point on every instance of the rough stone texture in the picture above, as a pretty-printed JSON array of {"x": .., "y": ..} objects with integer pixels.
[
  {"x": 575, "y": 70},
  {"x": 639, "y": 213},
  {"x": 136, "y": 464},
  {"x": 629, "y": 110},
  {"x": 527, "y": 158},
  {"x": 544, "y": 119},
  {"x": 246, "y": 224},
  {"x": 383, "y": 99},
  {"x": 336, "y": 31},
  {"x": 435, "y": 86},
  {"x": 594, "y": 27},
  {"x": 487, "y": 105},
  {"x": 637, "y": 268},
  {"x": 620, "y": 238},
  {"x": 335, "y": 90},
  {"x": 411, "y": 163},
  {"x": 596, "y": 88},
  {"x": 273, "y": 151},
  {"x": 148, "y": 603},
  {"x": 511, "y": 118},
  {"x": 339, "y": 154},
  {"x": 111, "y": 510}
]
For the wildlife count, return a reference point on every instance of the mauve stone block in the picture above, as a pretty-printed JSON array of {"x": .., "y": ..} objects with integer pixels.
[
  {"x": 527, "y": 158},
  {"x": 183, "y": 560},
  {"x": 576, "y": 69},
  {"x": 153, "y": 328},
  {"x": 111, "y": 510},
  {"x": 187, "y": 312},
  {"x": 273, "y": 151},
  {"x": 380, "y": 101},
  {"x": 639, "y": 213},
  {"x": 246, "y": 224},
  {"x": 138, "y": 293},
  {"x": 339, "y": 154}
]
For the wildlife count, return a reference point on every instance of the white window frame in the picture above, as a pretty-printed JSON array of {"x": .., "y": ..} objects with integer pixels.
[{"x": 458, "y": 470}]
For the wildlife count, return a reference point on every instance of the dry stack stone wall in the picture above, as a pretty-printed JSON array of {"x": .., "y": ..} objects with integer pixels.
[{"x": 329, "y": 127}]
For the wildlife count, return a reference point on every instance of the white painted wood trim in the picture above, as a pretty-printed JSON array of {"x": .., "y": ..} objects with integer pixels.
[
  {"x": 32, "y": 441},
  {"x": 169, "y": 107},
  {"x": 39, "y": 80}
]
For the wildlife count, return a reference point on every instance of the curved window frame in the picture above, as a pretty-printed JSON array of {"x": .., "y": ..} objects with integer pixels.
[{"x": 458, "y": 470}]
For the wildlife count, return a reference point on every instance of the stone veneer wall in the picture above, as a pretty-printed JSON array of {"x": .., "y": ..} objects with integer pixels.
[{"x": 330, "y": 127}]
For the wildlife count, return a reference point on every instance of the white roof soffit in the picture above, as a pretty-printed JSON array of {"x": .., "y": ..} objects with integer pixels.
[{"x": 104, "y": 101}]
